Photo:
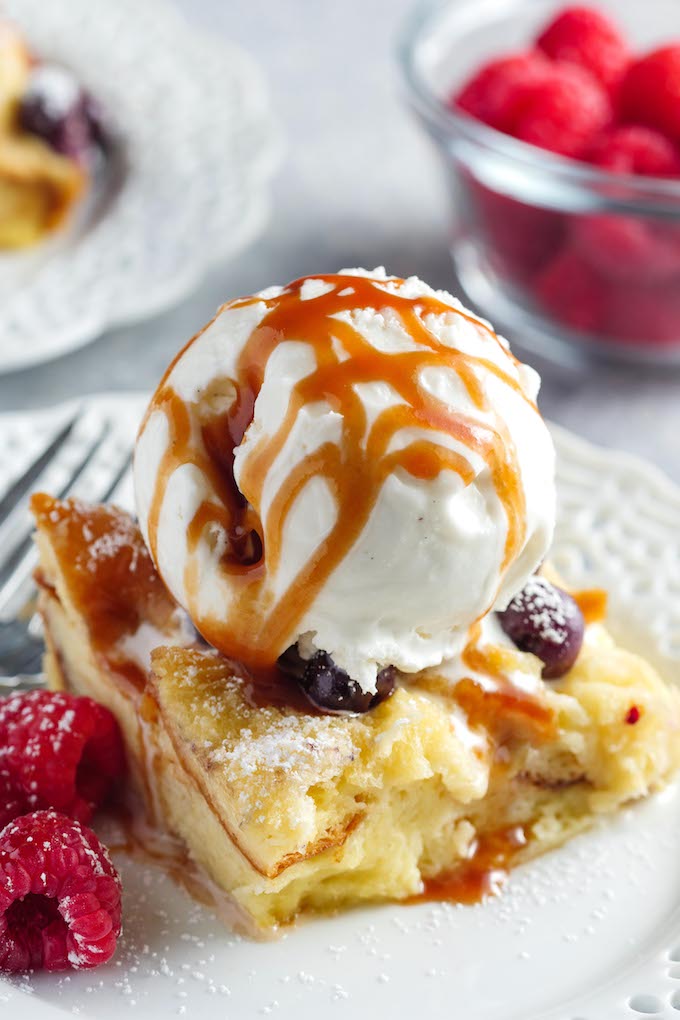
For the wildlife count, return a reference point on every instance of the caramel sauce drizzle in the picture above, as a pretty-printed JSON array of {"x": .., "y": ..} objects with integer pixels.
[
  {"x": 593, "y": 604},
  {"x": 115, "y": 591},
  {"x": 354, "y": 469},
  {"x": 483, "y": 874},
  {"x": 506, "y": 711}
]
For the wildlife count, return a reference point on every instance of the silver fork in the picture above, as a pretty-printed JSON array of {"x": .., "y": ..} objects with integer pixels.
[{"x": 88, "y": 458}]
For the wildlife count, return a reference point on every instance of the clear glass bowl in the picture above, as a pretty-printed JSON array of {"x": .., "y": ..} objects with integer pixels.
[{"x": 571, "y": 259}]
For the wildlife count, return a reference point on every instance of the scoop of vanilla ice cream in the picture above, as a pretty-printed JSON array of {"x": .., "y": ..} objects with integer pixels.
[{"x": 405, "y": 568}]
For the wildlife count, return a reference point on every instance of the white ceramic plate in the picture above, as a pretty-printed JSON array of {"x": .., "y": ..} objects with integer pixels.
[
  {"x": 590, "y": 932},
  {"x": 186, "y": 188}
]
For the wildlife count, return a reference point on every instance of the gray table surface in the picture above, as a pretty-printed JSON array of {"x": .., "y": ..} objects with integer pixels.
[{"x": 358, "y": 186}]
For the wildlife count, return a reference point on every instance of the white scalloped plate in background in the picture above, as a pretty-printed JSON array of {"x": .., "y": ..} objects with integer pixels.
[
  {"x": 589, "y": 932},
  {"x": 186, "y": 188}
]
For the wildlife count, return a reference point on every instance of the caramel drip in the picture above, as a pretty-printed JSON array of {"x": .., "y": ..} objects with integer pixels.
[
  {"x": 483, "y": 874},
  {"x": 257, "y": 626},
  {"x": 506, "y": 711},
  {"x": 593, "y": 604},
  {"x": 108, "y": 574}
]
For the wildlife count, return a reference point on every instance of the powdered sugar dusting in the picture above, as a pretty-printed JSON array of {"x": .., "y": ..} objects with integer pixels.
[
  {"x": 287, "y": 747},
  {"x": 105, "y": 533},
  {"x": 109, "y": 545},
  {"x": 544, "y": 606}
]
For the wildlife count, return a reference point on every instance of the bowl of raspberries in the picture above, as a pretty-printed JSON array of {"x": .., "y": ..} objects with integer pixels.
[{"x": 560, "y": 132}]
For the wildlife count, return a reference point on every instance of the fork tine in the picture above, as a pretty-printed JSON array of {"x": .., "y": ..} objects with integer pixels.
[
  {"x": 121, "y": 484},
  {"x": 19, "y": 563},
  {"x": 105, "y": 494},
  {"x": 16, "y": 587},
  {"x": 58, "y": 473},
  {"x": 12, "y": 600},
  {"x": 22, "y": 660},
  {"x": 16, "y": 528},
  {"x": 20, "y": 651},
  {"x": 32, "y": 662},
  {"x": 26, "y": 480}
]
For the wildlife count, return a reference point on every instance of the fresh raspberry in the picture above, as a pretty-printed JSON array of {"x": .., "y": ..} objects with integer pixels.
[
  {"x": 643, "y": 315},
  {"x": 519, "y": 238},
  {"x": 62, "y": 750},
  {"x": 571, "y": 292},
  {"x": 59, "y": 895},
  {"x": 585, "y": 37},
  {"x": 494, "y": 94},
  {"x": 564, "y": 112},
  {"x": 13, "y": 800},
  {"x": 650, "y": 91},
  {"x": 627, "y": 248},
  {"x": 635, "y": 149}
]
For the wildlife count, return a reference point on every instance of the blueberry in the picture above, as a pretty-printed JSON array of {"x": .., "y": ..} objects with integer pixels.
[
  {"x": 330, "y": 688},
  {"x": 56, "y": 109},
  {"x": 385, "y": 685},
  {"x": 292, "y": 663},
  {"x": 547, "y": 621}
]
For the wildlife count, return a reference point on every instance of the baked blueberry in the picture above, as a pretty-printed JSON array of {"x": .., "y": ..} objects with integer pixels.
[
  {"x": 546, "y": 621},
  {"x": 330, "y": 688}
]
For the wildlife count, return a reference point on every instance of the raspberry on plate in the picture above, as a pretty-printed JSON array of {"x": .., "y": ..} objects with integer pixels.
[
  {"x": 569, "y": 289},
  {"x": 13, "y": 800},
  {"x": 585, "y": 37},
  {"x": 636, "y": 149},
  {"x": 563, "y": 112},
  {"x": 650, "y": 91},
  {"x": 494, "y": 94},
  {"x": 59, "y": 896},
  {"x": 63, "y": 751}
]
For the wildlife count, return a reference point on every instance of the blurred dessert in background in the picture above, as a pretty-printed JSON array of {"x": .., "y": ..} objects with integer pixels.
[{"x": 50, "y": 133}]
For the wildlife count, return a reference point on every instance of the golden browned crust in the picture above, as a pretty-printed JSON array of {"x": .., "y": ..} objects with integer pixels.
[{"x": 334, "y": 837}]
